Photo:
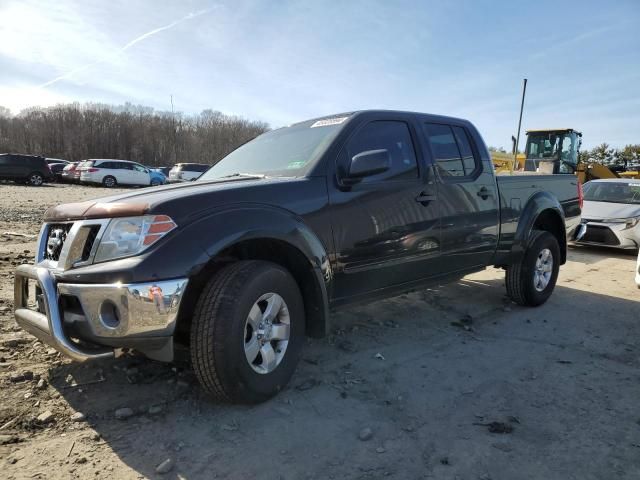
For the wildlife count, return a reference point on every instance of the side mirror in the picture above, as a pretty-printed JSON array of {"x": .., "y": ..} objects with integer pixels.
[{"x": 368, "y": 163}]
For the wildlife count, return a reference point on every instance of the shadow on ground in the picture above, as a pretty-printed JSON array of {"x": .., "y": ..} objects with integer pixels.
[{"x": 564, "y": 376}]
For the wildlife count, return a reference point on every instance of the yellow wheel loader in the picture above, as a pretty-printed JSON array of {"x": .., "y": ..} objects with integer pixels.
[{"x": 555, "y": 151}]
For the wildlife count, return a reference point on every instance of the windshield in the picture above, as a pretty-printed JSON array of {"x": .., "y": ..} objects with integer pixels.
[
  {"x": 560, "y": 148},
  {"x": 614, "y": 192},
  {"x": 286, "y": 152},
  {"x": 543, "y": 146}
]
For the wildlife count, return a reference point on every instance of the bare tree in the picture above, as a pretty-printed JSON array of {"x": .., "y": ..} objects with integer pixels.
[{"x": 132, "y": 132}]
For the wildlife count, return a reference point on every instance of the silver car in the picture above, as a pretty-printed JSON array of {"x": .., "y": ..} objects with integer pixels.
[{"x": 611, "y": 213}]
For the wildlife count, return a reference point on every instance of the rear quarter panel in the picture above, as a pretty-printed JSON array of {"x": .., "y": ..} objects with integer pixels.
[{"x": 522, "y": 197}]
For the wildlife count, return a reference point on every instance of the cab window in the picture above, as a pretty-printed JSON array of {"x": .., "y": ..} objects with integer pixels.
[
  {"x": 393, "y": 136},
  {"x": 451, "y": 150}
]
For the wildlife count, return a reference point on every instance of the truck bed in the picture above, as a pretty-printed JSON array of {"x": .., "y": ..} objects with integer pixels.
[{"x": 517, "y": 188}]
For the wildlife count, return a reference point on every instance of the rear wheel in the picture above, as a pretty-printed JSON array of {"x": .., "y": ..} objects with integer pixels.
[
  {"x": 531, "y": 281},
  {"x": 109, "y": 181},
  {"x": 35, "y": 179},
  {"x": 247, "y": 332},
  {"x": 155, "y": 182}
]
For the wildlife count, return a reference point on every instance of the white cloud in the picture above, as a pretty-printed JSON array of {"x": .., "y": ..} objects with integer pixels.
[{"x": 18, "y": 98}]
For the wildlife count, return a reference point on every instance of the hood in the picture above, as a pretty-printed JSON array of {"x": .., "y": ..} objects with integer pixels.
[
  {"x": 603, "y": 210},
  {"x": 180, "y": 201}
]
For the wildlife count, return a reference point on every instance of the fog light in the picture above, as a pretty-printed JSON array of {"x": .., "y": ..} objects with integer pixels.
[{"x": 109, "y": 314}]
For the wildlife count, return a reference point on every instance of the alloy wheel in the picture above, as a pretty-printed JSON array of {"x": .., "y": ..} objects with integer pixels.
[{"x": 266, "y": 333}]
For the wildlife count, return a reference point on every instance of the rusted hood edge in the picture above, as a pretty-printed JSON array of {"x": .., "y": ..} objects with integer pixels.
[{"x": 89, "y": 210}]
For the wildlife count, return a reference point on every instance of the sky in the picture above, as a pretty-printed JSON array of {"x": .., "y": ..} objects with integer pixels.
[{"x": 285, "y": 61}]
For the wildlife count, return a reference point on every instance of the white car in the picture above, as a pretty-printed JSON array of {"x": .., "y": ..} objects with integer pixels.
[
  {"x": 111, "y": 173},
  {"x": 611, "y": 213},
  {"x": 186, "y": 172}
]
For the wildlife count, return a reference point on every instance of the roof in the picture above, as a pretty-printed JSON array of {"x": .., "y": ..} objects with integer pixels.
[
  {"x": 554, "y": 130},
  {"x": 430, "y": 116}
]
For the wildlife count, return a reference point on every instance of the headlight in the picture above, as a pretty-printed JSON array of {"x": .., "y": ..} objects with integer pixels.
[
  {"x": 129, "y": 236},
  {"x": 629, "y": 222}
]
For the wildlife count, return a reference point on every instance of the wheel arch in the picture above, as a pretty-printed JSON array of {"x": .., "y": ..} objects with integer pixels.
[
  {"x": 273, "y": 236},
  {"x": 542, "y": 212}
]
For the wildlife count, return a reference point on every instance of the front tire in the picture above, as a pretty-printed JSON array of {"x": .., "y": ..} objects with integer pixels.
[
  {"x": 531, "y": 281},
  {"x": 247, "y": 332},
  {"x": 35, "y": 179}
]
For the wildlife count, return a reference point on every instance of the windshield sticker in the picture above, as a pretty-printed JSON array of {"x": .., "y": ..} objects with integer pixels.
[
  {"x": 329, "y": 121},
  {"x": 298, "y": 164},
  {"x": 634, "y": 185}
]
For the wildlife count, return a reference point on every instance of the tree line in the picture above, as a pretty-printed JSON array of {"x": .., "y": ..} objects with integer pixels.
[
  {"x": 129, "y": 132},
  {"x": 607, "y": 155},
  {"x": 603, "y": 153}
]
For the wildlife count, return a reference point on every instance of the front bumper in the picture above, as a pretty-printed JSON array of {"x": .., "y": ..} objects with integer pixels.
[
  {"x": 613, "y": 235},
  {"x": 87, "y": 321}
]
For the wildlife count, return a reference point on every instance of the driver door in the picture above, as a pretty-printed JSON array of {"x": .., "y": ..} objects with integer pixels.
[{"x": 385, "y": 226}]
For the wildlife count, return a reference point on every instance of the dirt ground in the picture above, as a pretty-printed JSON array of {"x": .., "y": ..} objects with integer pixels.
[{"x": 405, "y": 388}]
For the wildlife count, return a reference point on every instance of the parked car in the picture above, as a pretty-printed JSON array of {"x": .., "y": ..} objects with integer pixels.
[
  {"x": 164, "y": 170},
  {"x": 51, "y": 161},
  {"x": 157, "y": 177},
  {"x": 186, "y": 172},
  {"x": 611, "y": 215},
  {"x": 246, "y": 261},
  {"x": 110, "y": 173},
  {"x": 30, "y": 169},
  {"x": 57, "y": 169},
  {"x": 71, "y": 173}
]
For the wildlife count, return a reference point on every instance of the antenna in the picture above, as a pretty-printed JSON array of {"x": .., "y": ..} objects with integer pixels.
[
  {"x": 175, "y": 134},
  {"x": 517, "y": 143}
]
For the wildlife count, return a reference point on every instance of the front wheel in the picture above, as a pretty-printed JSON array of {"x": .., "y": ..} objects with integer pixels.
[
  {"x": 531, "y": 281},
  {"x": 35, "y": 179},
  {"x": 247, "y": 332}
]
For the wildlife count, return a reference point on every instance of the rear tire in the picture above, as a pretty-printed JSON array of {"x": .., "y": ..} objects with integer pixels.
[
  {"x": 234, "y": 361},
  {"x": 109, "y": 181},
  {"x": 531, "y": 281}
]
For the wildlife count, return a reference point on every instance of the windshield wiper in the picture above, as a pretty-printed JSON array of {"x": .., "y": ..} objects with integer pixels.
[{"x": 249, "y": 175}]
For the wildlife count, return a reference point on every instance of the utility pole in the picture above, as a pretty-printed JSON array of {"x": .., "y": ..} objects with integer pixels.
[{"x": 515, "y": 150}]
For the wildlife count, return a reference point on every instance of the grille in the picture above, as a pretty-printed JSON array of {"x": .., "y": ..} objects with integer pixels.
[
  {"x": 600, "y": 234},
  {"x": 56, "y": 237},
  {"x": 88, "y": 244}
]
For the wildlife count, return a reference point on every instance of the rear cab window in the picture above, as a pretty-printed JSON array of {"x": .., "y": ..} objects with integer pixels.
[{"x": 452, "y": 151}]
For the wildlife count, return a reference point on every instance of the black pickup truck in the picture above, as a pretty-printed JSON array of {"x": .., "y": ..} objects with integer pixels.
[{"x": 241, "y": 264}]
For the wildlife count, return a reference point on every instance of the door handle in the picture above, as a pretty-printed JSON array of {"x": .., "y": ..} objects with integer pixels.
[
  {"x": 484, "y": 193},
  {"x": 425, "y": 198}
]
